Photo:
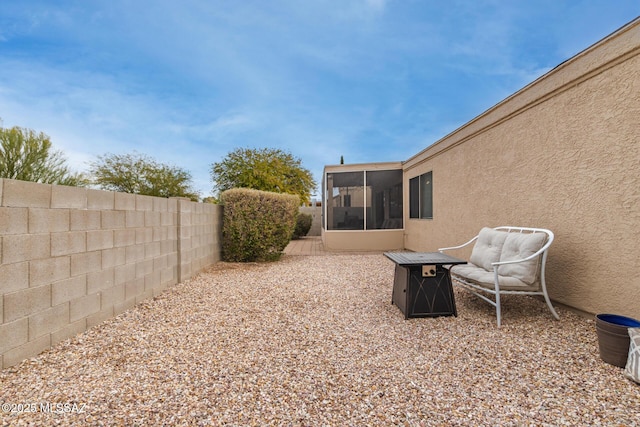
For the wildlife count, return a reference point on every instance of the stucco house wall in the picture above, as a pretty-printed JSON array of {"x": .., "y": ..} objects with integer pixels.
[{"x": 562, "y": 153}]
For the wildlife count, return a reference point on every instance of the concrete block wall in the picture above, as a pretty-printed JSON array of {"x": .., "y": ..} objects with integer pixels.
[
  {"x": 199, "y": 231},
  {"x": 71, "y": 258}
]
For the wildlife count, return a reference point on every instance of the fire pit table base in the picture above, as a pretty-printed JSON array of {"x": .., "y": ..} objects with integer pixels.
[{"x": 422, "y": 285}]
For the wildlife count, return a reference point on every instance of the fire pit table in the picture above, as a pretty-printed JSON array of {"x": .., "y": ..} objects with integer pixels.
[{"x": 422, "y": 284}]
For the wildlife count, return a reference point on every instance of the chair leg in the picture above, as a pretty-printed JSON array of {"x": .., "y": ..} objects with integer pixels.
[
  {"x": 553, "y": 310},
  {"x": 498, "y": 310},
  {"x": 546, "y": 296}
]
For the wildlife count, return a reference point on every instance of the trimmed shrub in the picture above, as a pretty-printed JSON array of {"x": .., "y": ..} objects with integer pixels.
[
  {"x": 256, "y": 225},
  {"x": 303, "y": 225}
]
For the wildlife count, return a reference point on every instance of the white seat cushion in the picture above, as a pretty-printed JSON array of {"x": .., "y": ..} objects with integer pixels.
[
  {"x": 481, "y": 277},
  {"x": 519, "y": 246},
  {"x": 488, "y": 248}
]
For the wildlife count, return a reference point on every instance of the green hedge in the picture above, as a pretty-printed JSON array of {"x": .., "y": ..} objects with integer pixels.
[
  {"x": 303, "y": 225},
  {"x": 257, "y": 225}
]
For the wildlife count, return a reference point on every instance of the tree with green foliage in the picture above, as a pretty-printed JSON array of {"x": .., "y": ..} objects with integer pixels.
[
  {"x": 27, "y": 155},
  {"x": 263, "y": 169},
  {"x": 140, "y": 174}
]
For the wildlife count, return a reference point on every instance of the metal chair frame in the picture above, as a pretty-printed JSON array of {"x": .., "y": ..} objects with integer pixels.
[{"x": 496, "y": 291}]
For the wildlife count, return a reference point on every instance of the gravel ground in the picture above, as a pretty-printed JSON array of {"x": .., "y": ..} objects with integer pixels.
[{"x": 315, "y": 341}]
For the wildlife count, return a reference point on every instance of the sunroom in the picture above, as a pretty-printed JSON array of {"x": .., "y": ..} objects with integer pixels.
[{"x": 362, "y": 207}]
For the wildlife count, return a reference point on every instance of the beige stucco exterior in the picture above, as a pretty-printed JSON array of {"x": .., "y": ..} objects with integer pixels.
[
  {"x": 374, "y": 240},
  {"x": 563, "y": 153}
]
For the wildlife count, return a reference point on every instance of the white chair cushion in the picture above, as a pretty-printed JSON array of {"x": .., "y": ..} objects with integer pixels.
[
  {"x": 519, "y": 246},
  {"x": 488, "y": 247},
  {"x": 632, "y": 369},
  {"x": 481, "y": 277}
]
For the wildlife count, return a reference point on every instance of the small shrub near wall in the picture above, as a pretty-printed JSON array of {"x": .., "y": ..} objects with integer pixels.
[
  {"x": 256, "y": 225},
  {"x": 303, "y": 225}
]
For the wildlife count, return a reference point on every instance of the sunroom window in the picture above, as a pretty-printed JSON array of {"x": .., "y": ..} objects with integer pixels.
[{"x": 364, "y": 200}]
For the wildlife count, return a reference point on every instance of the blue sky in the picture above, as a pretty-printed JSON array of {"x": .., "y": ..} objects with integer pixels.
[{"x": 188, "y": 81}]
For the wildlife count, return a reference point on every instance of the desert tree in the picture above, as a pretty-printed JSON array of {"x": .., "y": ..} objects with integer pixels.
[
  {"x": 263, "y": 169},
  {"x": 28, "y": 155},
  {"x": 140, "y": 174}
]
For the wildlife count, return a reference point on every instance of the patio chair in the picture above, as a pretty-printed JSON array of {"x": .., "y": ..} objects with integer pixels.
[{"x": 505, "y": 260}]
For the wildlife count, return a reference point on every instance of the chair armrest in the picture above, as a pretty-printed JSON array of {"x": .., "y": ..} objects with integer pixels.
[{"x": 459, "y": 246}]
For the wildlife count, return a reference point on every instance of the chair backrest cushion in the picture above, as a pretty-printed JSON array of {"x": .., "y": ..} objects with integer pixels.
[
  {"x": 488, "y": 248},
  {"x": 519, "y": 246}
]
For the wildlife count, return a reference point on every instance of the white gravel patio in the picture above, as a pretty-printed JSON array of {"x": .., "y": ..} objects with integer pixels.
[{"x": 314, "y": 341}]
